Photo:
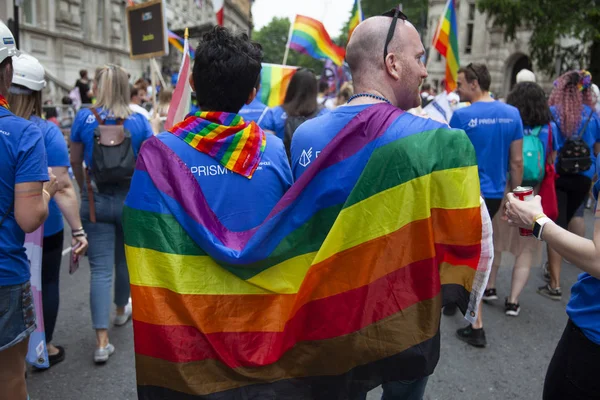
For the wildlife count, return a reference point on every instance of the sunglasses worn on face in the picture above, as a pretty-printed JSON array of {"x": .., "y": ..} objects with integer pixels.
[{"x": 395, "y": 14}]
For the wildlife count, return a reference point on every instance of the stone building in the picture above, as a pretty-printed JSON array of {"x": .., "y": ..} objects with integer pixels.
[
  {"x": 70, "y": 35},
  {"x": 479, "y": 41}
]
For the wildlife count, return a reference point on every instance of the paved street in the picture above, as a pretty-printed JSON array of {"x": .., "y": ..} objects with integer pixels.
[{"x": 511, "y": 367}]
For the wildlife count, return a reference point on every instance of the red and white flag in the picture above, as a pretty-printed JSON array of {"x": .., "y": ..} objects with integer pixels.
[
  {"x": 219, "y": 5},
  {"x": 181, "y": 100}
]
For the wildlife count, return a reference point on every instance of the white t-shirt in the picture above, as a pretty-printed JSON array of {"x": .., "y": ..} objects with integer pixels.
[{"x": 140, "y": 110}]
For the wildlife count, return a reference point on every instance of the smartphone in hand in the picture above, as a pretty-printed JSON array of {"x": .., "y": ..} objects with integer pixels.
[{"x": 74, "y": 265}]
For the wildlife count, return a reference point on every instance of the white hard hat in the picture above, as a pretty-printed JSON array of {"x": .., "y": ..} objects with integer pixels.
[
  {"x": 28, "y": 72},
  {"x": 525, "y": 75},
  {"x": 8, "y": 48}
]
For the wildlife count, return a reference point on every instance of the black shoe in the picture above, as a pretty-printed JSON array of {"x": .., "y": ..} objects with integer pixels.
[
  {"x": 450, "y": 310},
  {"x": 474, "y": 337},
  {"x": 512, "y": 309},
  {"x": 54, "y": 359},
  {"x": 490, "y": 294}
]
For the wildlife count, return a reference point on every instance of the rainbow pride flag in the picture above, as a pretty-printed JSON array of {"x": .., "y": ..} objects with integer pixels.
[
  {"x": 310, "y": 37},
  {"x": 338, "y": 290},
  {"x": 356, "y": 18},
  {"x": 446, "y": 42},
  {"x": 274, "y": 81},
  {"x": 178, "y": 42}
]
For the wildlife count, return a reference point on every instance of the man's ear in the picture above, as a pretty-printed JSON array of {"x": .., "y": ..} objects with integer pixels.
[
  {"x": 392, "y": 66},
  {"x": 192, "y": 83},
  {"x": 252, "y": 96}
]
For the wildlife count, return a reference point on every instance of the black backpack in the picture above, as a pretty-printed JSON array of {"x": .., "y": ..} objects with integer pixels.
[
  {"x": 291, "y": 124},
  {"x": 113, "y": 162},
  {"x": 575, "y": 156}
]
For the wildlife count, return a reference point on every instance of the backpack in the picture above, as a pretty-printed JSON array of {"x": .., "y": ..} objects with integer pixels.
[
  {"x": 291, "y": 124},
  {"x": 533, "y": 158},
  {"x": 113, "y": 162},
  {"x": 575, "y": 155}
]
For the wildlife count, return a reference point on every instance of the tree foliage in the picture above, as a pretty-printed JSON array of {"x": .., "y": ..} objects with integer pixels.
[
  {"x": 273, "y": 38},
  {"x": 554, "y": 25}
]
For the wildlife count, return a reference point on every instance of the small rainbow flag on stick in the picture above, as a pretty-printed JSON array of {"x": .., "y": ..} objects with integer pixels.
[
  {"x": 356, "y": 18},
  {"x": 274, "y": 82},
  {"x": 310, "y": 37},
  {"x": 446, "y": 42},
  {"x": 178, "y": 43}
]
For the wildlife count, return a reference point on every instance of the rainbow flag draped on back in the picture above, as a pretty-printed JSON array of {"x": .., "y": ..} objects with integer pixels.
[
  {"x": 178, "y": 42},
  {"x": 446, "y": 42},
  {"x": 310, "y": 37},
  {"x": 274, "y": 81},
  {"x": 338, "y": 290},
  {"x": 356, "y": 18}
]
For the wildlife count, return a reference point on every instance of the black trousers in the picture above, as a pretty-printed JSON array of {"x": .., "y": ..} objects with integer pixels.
[
  {"x": 493, "y": 206},
  {"x": 574, "y": 372},
  {"x": 570, "y": 194},
  {"x": 51, "y": 259}
]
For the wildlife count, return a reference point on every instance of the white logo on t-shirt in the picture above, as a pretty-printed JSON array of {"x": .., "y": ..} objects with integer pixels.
[
  {"x": 305, "y": 157},
  {"x": 473, "y": 123},
  {"x": 90, "y": 119},
  {"x": 4, "y": 133}
]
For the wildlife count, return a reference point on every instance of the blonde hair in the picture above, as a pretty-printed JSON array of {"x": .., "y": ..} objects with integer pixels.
[
  {"x": 26, "y": 105},
  {"x": 346, "y": 91},
  {"x": 164, "y": 101},
  {"x": 113, "y": 91}
]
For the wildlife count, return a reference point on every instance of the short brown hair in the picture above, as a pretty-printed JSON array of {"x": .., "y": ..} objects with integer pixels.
[
  {"x": 83, "y": 73},
  {"x": 479, "y": 72}
]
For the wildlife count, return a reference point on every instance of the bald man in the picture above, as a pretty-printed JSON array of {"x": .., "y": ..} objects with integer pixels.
[{"x": 385, "y": 55}]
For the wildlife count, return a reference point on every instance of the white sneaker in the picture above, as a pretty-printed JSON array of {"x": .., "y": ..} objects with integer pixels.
[
  {"x": 121, "y": 320},
  {"x": 101, "y": 354}
]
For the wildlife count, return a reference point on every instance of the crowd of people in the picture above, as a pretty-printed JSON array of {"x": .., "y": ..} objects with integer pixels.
[{"x": 527, "y": 140}]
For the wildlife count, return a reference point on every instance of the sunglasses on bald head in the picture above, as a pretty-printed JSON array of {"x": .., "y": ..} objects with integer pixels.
[{"x": 395, "y": 14}]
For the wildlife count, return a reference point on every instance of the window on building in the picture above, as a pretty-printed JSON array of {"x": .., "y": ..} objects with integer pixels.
[
  {"x": 438, "y": 56},
  {"x": 470, "y": 29},
  {"x": 100, "y": 25},
  {"x": 28, "y": 7}
]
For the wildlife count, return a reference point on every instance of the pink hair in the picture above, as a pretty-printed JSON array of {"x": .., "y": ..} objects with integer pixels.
[{"x": 569, "y": 100}]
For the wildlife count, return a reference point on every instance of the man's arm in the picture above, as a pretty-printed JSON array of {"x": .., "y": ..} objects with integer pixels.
[
  {"x": 516, "y": 163},
  {"x": 77, "y": 162},
  {"x": 66, "y": 198}
]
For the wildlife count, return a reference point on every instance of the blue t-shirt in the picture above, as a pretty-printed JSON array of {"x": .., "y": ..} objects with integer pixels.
[
  {"x": 584, "y": 306},
  {"x": 274, "y": 120},
  {"x": 223, "y": 188},
  {"x": 254, "y": 111},
  {"x": 58, "y": 156},
  {"x": 85, "y": 123},
  {"x": 22, "y": 159},
  {"x": 591, "y": 135},
  {"x": 492, "y": 127}
]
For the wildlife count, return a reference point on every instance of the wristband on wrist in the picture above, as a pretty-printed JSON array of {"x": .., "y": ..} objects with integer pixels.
[{"x": 542, "y": 215}]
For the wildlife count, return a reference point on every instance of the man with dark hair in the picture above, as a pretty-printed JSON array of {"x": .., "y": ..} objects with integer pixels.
[
  {"x": 83, "y": 84},
  {"x": 212, "y": 158},
  {"x": 496, "y": 131},
  {"x": 137, "y": 95}
]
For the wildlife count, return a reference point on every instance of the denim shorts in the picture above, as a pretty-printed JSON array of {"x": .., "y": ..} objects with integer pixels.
[{"x": 17, "y": 314}]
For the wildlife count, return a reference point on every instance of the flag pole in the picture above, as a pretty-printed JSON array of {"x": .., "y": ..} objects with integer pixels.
[{"x": 287, "y": 45}]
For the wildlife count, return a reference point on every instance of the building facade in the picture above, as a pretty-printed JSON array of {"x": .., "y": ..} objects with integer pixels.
[
  {"x": 70, "y": 35},
  {"x": 479, "y": 41}
]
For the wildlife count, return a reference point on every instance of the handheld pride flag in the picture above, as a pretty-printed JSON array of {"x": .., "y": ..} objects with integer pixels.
[
  {"x": 344, "y": 279},
  {"x": 178, "y": 42},
  {"x": 446, "y": 42},
  {"x": 356, "y": 18},
  {"x": 310, "y": 37},
  {"x": 182, "y": 96},
  {"x": 274, "y": 82}
]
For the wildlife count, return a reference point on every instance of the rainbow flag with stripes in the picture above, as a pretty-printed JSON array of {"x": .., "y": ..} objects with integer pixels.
[
  {"x": 274, "y": 81},
  {"x": 356, "y": 18},
  {"x": 178, "y": 42},
  {"x": 310, "y": 37},
  {"x": 338, "y": 290},
  {"x": 446, "y": 42}
]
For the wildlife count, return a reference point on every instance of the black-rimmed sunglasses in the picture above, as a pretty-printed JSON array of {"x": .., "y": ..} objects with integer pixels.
[{"x": 395, "y": 14}]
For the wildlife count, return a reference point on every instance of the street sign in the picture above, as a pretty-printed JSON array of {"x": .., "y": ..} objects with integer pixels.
[{"x": 147, "y": 30}]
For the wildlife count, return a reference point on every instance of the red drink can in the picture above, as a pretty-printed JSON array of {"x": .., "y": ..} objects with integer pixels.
[{"x": 524, "y": 193}]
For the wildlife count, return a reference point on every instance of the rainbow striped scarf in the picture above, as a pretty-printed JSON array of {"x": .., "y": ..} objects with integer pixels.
[
  {"x": 226, "y": 137},
  {"x": 4, "y": 102}
]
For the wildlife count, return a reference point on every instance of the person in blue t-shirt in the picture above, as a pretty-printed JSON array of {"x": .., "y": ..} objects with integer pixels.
[
  {"x": 529, "y": 98},
  {"x": 26, "y": 100},
  {"x": 256, "y": 110},
  {"x": 300, "y": 103},
  {"x": 572, "y": 109},
  {"x": 102, "y": 204},
  {"x": 573, "y": 371},
  {"x": 26, "y": 187},
  {"x": 496, "y": 131}
]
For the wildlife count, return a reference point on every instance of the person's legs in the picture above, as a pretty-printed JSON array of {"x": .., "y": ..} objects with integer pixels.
[
  {"x": 122, "y": 288},
  {"x": 17, "y": 321},
  {"x": 520, "y": 275},
  {"x": 51, "y": 260},
  {"x": 405, "y": 390}
]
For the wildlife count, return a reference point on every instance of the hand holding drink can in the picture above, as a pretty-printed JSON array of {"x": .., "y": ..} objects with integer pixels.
[{"x": 524, "y": 193}]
